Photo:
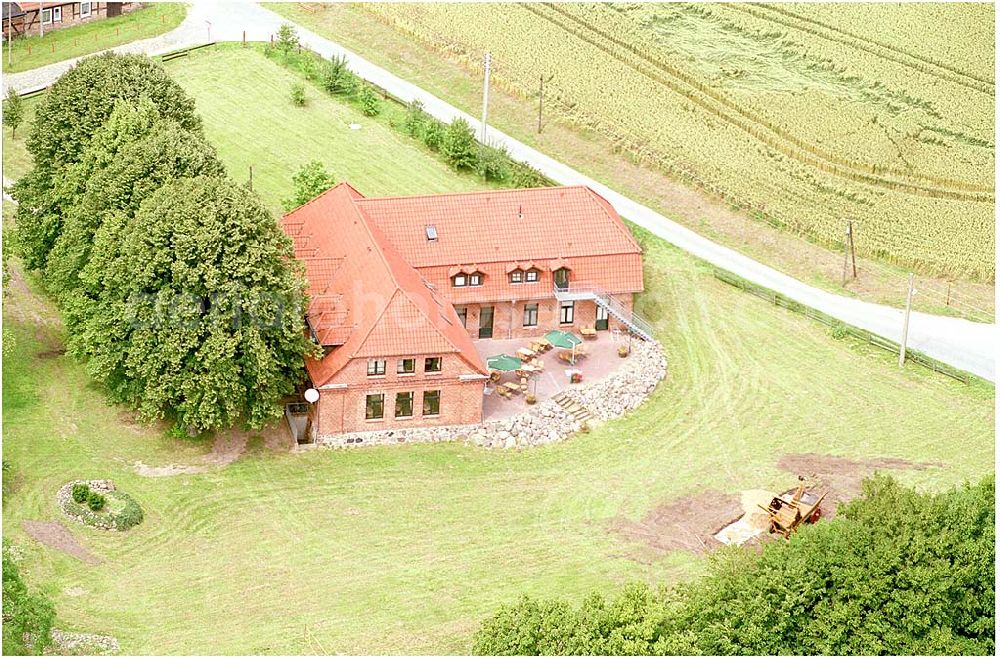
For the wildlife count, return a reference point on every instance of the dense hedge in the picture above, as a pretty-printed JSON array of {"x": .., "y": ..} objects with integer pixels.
[{"x": 897, "y": 572}]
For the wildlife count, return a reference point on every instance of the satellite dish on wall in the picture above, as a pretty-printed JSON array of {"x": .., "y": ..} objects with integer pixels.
[{"x": 312, "y": 395}]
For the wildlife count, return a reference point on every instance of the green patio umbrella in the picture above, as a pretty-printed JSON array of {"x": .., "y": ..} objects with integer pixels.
[
  {"x": 561, "y": 339},
  {"x": 503, "y": 363}
]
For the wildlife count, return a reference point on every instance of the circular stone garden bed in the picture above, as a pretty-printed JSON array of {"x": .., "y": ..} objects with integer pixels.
[{"x": 99, "y": 504}]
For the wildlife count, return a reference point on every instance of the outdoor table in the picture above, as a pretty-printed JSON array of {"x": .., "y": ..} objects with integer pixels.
[
  {"x": 540, "y": 345},
  {"x": 525, "y": 353},
  {"x": 588, "y": 332}
]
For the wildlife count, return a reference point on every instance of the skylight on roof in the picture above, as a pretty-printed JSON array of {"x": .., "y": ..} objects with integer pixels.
[{"x": 431, "y": 231}]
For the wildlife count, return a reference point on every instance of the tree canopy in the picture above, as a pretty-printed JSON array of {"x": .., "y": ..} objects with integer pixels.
[
  {"x": 310, "y": 181},
  {"x": 75, "y": 108},
  {"x": 82, "y": 99},
  {"x": 194, "y": 309},
  {"x": 27, "y": 616},
  {"x": 130, "y": 157},
  {"x": 897, "y": 572}
]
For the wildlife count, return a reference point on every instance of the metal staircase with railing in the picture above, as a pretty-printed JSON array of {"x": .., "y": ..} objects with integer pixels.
[{"x": 633, "y": 321}]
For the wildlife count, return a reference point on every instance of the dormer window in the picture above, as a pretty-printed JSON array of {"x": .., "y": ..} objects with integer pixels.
[
  {"x": 531, "y": 276},
  {"x": 517, "y": 277},
  {"x": 459, "y": 281},
  {"x": 561, "y": 278},
  {"x": 476, "y": 279}
]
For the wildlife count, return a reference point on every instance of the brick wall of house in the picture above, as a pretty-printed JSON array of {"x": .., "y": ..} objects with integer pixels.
[
  {"x": 344, "y": 410},
  {"x": 508, "y": 325}
]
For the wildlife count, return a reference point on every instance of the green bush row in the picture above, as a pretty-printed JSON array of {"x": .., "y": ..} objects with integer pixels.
[{"x": 456, "y": 141}]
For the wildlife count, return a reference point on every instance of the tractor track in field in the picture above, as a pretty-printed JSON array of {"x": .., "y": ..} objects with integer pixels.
[
  {"x": 910, "y": 60},
  {"x": 721, "y": 107}
]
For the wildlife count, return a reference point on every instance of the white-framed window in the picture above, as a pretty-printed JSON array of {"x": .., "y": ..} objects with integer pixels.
[
  {"x": 566, "y": 313},
  {"x": 406, "y": 366},
  {"x": 458, "y": 281},
  {"x": 376, "y": 367},
  {"x": 531, "y": 276},
  {"x": 432, "y": 365},
  {"x": 57, "y": 14},
  {"x": 476, "y": 279},
  {"x": 517, "y": 277},
  {"x": 46, "y": 16},
  {"x": 85, "y": 9}
]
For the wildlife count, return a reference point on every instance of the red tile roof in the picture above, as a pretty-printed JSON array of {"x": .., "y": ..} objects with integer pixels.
[
  {"x": 362, "y": 257},
  {"x": 540, "y": 224},
  {"x": 365, "y": 298}
]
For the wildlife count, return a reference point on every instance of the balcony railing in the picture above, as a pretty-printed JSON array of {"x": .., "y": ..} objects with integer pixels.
[{"x": 587, "y": 291}]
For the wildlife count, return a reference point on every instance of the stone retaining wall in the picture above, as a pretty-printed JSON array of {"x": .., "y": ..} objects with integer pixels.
[{"x": 545, "y": 423}]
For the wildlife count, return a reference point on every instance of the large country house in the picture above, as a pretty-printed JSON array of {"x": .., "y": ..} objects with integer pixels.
[{"x": 401, "y": 287}]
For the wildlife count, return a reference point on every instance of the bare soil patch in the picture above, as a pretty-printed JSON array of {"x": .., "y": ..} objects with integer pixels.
[
  {"x": 227, "y": 447},
  {"x": 688, "y": 523},
  {"x": 841, "y": 477},
  {"x": 57, "y": 536}
]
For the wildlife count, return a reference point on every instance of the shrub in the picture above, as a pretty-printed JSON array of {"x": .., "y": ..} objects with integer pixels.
[
  {"x": 298, "y": 94},
  {"x": 494, "y": 164},
  {"x": 433, "y": 133},
  {"x": 369, "y": 101},
  {"x": 336, "y": 78},
  {"x": 13, "y": 110},
  {"x": 309, "y": 182},
  {"x": 96, "y": 501},
  {"x": 459, "y": 145},
  {"x": 288, "y": 38},
  {"x": 415, "y": 118},
  {"x": 526, "y": 176},
  {"x": 80, "y": 492}
]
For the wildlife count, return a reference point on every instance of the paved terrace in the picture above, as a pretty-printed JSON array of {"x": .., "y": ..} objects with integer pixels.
[{"x": 601, "y": 361}]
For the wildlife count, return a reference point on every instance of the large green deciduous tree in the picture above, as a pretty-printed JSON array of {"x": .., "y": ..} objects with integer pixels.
[
  {"x": 196, "y": 307},
  {"x": 76, "y": 107},
  {"x": 27, "y": 616},
  {"x": 130, "y": 157},
  {"x": 82, "y": 99},
  {"x": 898, "y": 572}
]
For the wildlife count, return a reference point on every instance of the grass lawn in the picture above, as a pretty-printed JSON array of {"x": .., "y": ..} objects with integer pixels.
[
  {"x": 91, "y": 37},
  {"x": 16, "y": 160},
  {"x": 406, "y": 549},
  {"x": 255, "y": 123}
]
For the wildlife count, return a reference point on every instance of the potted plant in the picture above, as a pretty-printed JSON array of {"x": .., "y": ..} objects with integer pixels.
[
  {"x": 530, "y": 399},
  {"x": 623, "y": 351}
]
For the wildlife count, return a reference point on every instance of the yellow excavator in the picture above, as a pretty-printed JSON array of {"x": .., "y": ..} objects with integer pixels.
[{"x": 786, "y": 514}]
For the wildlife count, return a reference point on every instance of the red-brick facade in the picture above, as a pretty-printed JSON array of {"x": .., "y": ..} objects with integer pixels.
[{"x": 400, "y": 287}]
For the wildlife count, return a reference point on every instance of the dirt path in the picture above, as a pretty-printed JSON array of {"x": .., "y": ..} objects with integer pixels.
[
  {"x": 58, "y": 537},
  {"x": 227, "y": 447}
]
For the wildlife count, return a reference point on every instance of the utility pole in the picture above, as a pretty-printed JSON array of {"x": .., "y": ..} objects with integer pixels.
[
  {"x": 41, "y": 23},
  {"x": 541, "y": 92},
  {"x": 849, "y": 252},
  {"x": 906, "y": 320},
  {"x": 487, "y": 61}
]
